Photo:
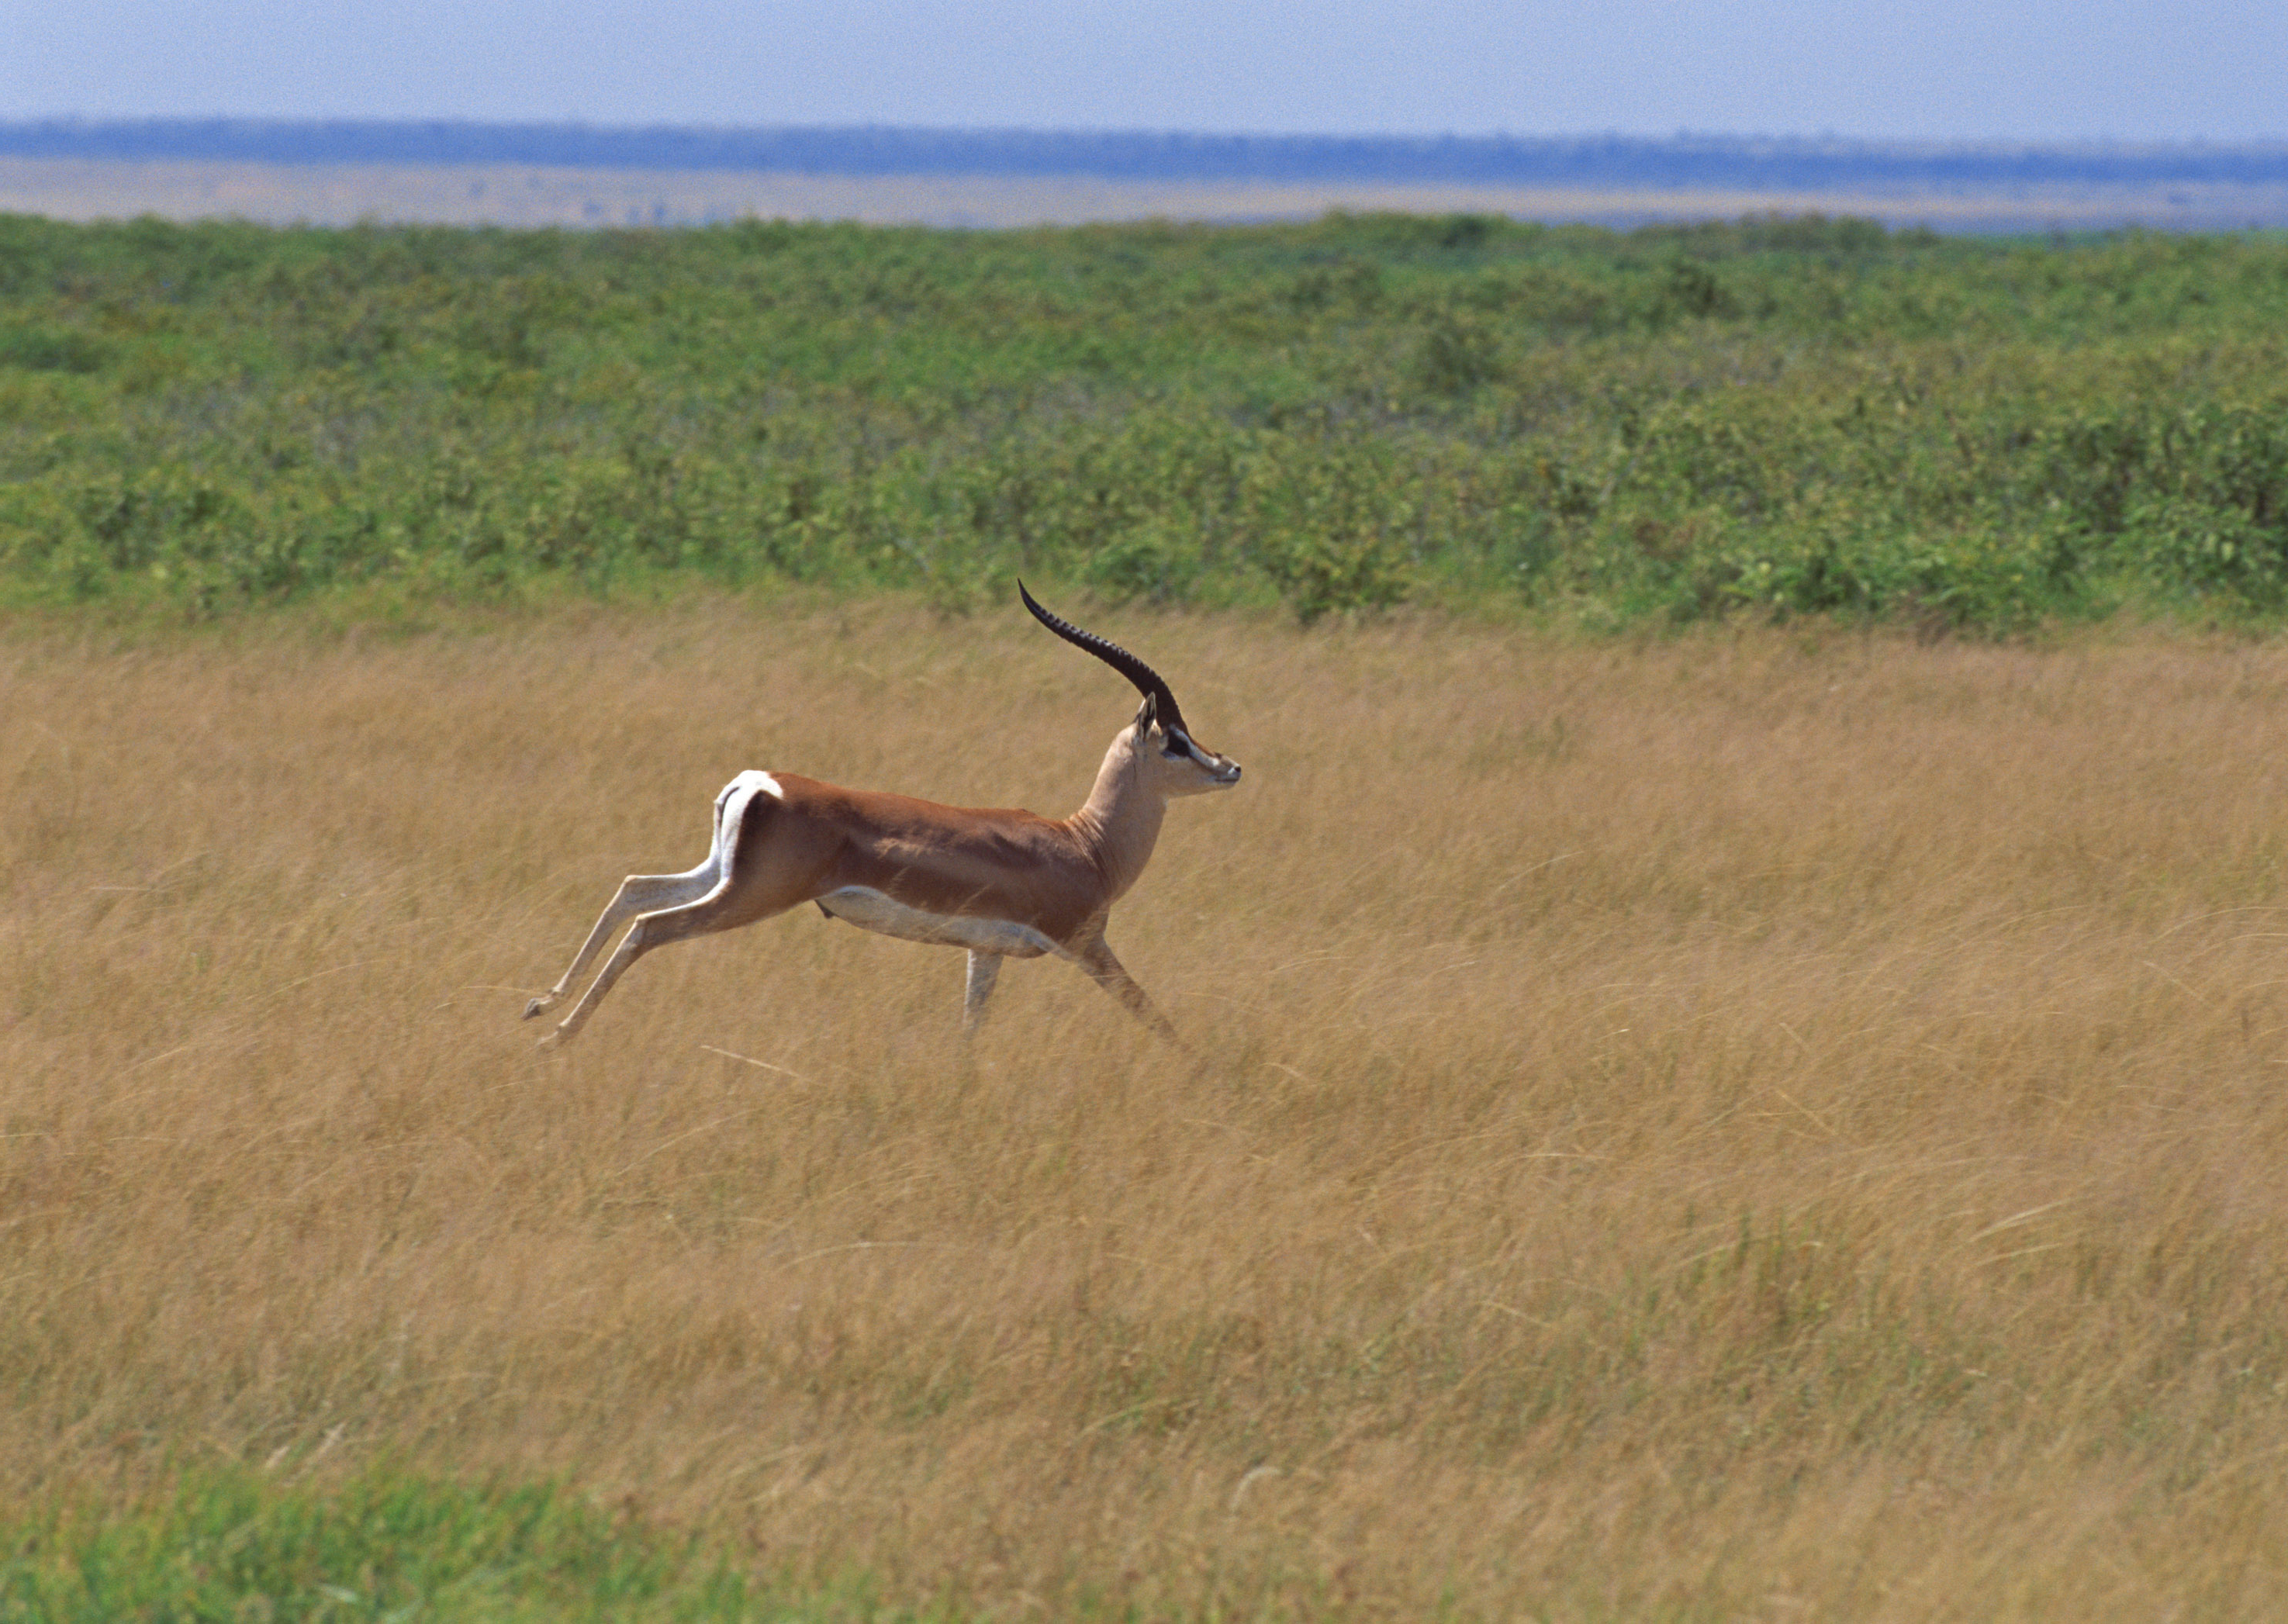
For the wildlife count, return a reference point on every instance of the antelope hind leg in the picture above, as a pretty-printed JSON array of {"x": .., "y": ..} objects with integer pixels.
[
  {"x": 746, "y": 886},
  {"x": 643, "y": 893},
  {"x": 639, "y": 893},
  {"x": 720, "y": 909}
]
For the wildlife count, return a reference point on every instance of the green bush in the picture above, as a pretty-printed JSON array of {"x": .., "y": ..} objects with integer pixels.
[
  {"x": 1765, "y": 416},
  {"x": 231, "y": 1543}
]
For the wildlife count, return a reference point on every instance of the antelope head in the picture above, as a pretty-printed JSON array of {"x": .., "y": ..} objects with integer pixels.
[{"x": 1162, "y": 752}]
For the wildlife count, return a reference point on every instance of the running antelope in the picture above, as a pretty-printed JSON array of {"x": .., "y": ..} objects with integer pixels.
[{"x": 1002, "y": 884}]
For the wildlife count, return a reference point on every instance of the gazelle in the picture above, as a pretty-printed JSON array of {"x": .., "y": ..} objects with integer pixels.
[{"x": 1002, "y": 884}]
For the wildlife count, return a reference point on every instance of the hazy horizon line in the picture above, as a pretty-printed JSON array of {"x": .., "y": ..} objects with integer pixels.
[{"x": 1687, "y": 158}]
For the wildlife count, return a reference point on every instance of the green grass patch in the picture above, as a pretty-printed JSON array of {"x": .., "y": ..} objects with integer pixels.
[
  {"x": 1771, "y": 416},
  {"x": 237, "y": 1544}
]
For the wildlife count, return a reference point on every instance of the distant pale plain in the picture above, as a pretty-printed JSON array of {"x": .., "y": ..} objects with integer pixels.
[{"x": 533, "y": 197}]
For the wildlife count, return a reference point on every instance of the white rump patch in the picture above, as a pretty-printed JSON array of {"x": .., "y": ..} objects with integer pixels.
[
  {"x": 872, "y": 910},
  {"x": 752, "y": 779}
]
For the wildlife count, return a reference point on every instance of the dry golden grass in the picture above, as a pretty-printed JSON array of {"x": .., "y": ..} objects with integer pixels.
[{"x": 1750, "y": 1127}]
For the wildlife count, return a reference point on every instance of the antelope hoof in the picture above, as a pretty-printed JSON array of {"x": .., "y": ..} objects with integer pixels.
[{"x": 539, "y": 1006}]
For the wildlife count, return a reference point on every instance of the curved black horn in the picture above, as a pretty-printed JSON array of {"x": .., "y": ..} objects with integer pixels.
[{"x": 1146, "y": 680}]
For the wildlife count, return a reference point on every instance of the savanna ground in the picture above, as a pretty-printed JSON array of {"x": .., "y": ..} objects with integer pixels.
[{"x": 1752, "y": 1123}]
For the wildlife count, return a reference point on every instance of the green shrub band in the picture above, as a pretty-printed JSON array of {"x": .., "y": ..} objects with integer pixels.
[
  {"x": 1791, "y": 416},
  {"x": 235, "y": 1543}
]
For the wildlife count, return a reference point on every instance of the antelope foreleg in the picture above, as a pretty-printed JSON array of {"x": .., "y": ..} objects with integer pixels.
[
  {"x": 1106, "y": 970},
  {"x": 984, "y": 970}
]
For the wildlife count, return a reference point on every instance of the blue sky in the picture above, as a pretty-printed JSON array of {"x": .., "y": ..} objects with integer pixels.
[{"x": 2034, "y": 70}]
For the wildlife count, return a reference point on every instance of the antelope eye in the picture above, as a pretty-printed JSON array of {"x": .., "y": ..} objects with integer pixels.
[{"x": 1178, "y": 745}]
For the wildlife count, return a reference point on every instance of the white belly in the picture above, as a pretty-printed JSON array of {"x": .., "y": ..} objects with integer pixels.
[{"x": 872, "y": 910}]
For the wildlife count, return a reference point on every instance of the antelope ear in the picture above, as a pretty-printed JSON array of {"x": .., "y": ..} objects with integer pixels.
[{"x": 1146, "y": 714}]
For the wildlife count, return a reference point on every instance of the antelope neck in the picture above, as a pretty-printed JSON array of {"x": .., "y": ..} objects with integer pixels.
[{"x": 1121, "y": 822}]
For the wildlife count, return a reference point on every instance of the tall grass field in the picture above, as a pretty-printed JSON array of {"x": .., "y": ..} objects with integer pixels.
[{"x": 1755, "y": 1122}]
